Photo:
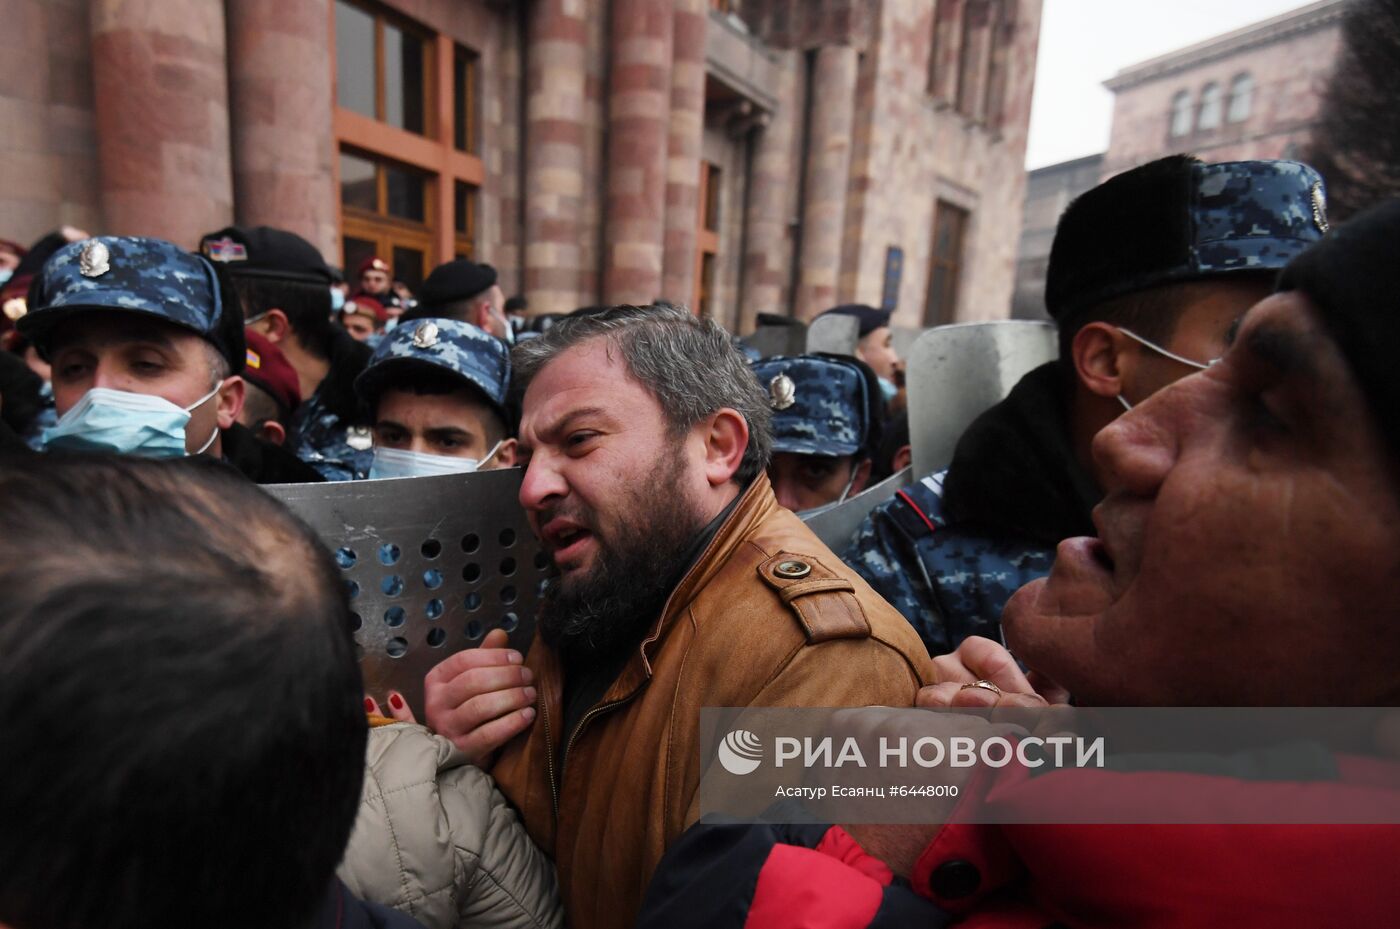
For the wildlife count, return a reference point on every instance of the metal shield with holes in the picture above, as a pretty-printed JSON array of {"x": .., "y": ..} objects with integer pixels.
[{"x": 431, "y": 565}]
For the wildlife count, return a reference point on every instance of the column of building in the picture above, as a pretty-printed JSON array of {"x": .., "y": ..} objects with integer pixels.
[
  {"x": 639, "y": 120},
  {"x": 687, "y": 130},
  {"x": 160, "y": 98},
  {"x": 827, "y": 175},
  {"x": 281, "y": 100},
  {"x": 768, "y": 254},
  {"x": 555, "y": 78}
]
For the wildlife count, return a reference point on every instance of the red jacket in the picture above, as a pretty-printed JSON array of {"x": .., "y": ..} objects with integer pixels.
[{"x": 1075, "y": 876}]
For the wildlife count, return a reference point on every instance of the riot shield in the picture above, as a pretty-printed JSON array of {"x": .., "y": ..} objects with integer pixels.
[
  {"x": 833, "y": 333},
  {"x": 431, "y": 565},
  {"x": 956, "y": 372},
  {"x": 835, "y": 525},
  {"x": 778, "y": 340}
]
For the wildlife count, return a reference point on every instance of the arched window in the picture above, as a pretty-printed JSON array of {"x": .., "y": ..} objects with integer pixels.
[
  {"x": 1181, "y": 114},
  {"x": 1210, "y": 107},
  {"x": 1241, "y": 98}
]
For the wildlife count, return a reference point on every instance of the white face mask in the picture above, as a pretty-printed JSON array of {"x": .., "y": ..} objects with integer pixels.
[
  {"x": 1164, "y": 353},
  {"x": 400, "y": 462},
  {"x": 107, "y": 420}
]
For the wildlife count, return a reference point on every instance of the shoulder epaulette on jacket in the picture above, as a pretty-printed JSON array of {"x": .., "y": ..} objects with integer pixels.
[
  {"x": 823, "y": 601},
  {"x": 918, "y": 508}
]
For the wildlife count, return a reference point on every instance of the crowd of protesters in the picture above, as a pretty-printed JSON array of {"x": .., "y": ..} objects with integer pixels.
[{"x": 1197, "y": 503}]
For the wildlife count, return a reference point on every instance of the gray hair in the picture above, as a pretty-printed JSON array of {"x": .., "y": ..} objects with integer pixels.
[{"x": 689, "y": 364}]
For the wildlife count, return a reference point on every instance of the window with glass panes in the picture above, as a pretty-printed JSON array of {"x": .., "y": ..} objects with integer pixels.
[{"x": 407, "y": 127}]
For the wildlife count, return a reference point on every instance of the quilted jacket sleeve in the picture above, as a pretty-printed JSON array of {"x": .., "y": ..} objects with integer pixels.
[{"x": 434, "y": 838}]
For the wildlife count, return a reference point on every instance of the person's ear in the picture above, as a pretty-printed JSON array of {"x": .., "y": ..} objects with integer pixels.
[
  {"x": 230, "y": 398},
  {"x": 725, "y": 435},
  {"x": 902, "y": 458},
  {"x": 1102, "y": 356},
  {"x": 278, "y": 327},
  {"x": 272, "y": 432},
  {"x": 861, "y": 478},
  {"x": 505, "y": 455}
]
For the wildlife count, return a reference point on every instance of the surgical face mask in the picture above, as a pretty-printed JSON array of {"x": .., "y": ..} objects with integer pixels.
[
  {"x": 400, "y": 462},
  {"x": 337, "y": 299},
  {"x": 126, "y": 423},
  {"x": 888, "y": 389},
  {"x": 6, "y": 274},
  {"x": 1200, "y": 366}
]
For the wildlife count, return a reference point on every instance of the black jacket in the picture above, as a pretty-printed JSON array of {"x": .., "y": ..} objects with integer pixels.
[{"x": 264, "y": 463}]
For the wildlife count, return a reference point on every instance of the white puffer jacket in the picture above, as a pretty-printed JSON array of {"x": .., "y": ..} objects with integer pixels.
[{"x": 435, "y": 839}]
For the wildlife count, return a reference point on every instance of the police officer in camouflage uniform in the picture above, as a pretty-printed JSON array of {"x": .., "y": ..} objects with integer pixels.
[
  {"x": 146, "y": 353},
  {"x": 827, "y": 413},
  {"x": 437, "y": 389},
  {"x": 284, "y": 284},
  {"x": 1149, "y": 274}
]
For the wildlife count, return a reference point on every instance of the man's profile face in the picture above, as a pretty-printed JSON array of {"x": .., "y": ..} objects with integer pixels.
[
  {"x": 1248, "y": 543},
  {"x": 802, "y": 482},
  {"x": 122, "y": 352},
  {"x": 375, "y": 281},
  {"x": 457, "y": 425},
  {"x": 594, "y": 442},
  {"x": 877, "y": 350}
]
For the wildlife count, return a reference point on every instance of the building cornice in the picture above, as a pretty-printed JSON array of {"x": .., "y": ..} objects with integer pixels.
[{"x": 1307, "y": 19}]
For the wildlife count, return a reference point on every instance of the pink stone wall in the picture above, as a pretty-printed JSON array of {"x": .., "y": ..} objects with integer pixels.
[
  {"x": 48, "y": 145},
  {"x": 912, "y": 151},
  {"x": 161, "y": 102},
  {"x": 1289, "y": 77},
  {"x": 281, "y": 100},
  {"x": 639, "y": 111}
]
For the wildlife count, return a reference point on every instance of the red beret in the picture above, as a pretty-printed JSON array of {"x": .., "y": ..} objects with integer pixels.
[
  {"x": 373, "y": 262},
  {"x": 270, "y": 370}
]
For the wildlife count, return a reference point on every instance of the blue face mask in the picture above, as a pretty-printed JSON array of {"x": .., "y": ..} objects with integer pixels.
[
  {"x": 888, "y": 389},
  {"x": 107, "y": 420},
  {"x": 337, "y": 300},
  {"x": 400, "y": 462},
  {"x": 6, "y": 274}
]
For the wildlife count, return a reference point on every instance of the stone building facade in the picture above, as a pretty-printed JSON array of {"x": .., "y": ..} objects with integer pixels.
[
  {"x": 1048, "y": 191},
  {"x": 740, "y": 156},
  {"x": 1251, "y": 93}
]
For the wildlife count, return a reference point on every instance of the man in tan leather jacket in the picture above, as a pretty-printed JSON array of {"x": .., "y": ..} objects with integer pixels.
[{"x": 683, "y": 584}]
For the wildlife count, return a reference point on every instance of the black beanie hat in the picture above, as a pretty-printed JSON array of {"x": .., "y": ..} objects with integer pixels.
[{"x": 1353, "y": 278}]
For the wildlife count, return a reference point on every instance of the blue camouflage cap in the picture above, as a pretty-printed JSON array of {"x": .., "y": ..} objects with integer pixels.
[
  {"x": 1180, "y": 219},
  {"x": 820, "y": 403},
  {"x": 469, "y": 352},
  {"x": 142, "y": 276}
]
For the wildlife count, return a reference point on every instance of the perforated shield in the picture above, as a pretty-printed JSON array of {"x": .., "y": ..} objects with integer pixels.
[
  {"x": 835, "y": 525},
  {"x": 431, "y": 564},
  {"x": 956, "y": 372}
]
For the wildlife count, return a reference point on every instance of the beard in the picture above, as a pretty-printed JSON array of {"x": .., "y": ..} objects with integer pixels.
[{"x": 593, "y": 619}]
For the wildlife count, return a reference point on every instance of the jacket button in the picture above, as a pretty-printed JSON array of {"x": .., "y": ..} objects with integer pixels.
[
  {"x": 792, "y": 570},
  {"x": 953, "y": 880}
]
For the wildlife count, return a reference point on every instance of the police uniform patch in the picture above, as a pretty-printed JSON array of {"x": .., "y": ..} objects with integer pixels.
[
  {"x": 225, "y": 250},
  {"x": 359, "y": 438},
  {"x": 95, "y": 260},
  {"x": 782, "y": 392}
]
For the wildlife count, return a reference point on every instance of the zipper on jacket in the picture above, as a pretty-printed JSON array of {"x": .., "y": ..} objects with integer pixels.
[
  {"x": 573, "y": 736},
  {"x": 549, "y": 758}
]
